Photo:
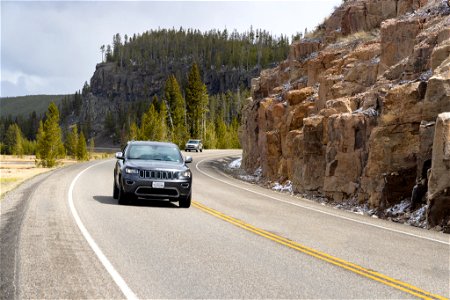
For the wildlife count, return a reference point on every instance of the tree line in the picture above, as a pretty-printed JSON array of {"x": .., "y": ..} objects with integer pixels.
[
  {"x": 176, "y": 118},
  {"x": 211, "y": 49},
  {"x": 50, "y": 143},
  {"x": 182, "y": 108}
]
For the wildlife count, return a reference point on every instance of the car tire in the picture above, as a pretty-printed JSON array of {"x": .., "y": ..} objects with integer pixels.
[
  {"x": 115, "y": 191},
  {"x": 122, "y": 197},
  {"x": 185, "y": 202},
  {"x": 201, "y": 150}
]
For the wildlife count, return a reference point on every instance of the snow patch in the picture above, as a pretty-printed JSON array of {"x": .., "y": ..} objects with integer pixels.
[
  {"x": 287, "y": 187},
  {"x": 399, "y": 208},
  {"x": 255, "y": 177},
  {"x": 235, "y": 164},
  {"x": 418, "y": 218}
]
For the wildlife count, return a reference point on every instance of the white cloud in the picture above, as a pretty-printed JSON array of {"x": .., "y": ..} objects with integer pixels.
[{"x": 54, "y": 46}]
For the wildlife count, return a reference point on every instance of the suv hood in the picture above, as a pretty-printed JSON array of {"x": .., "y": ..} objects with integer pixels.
[{"x": 152, "y": 164}]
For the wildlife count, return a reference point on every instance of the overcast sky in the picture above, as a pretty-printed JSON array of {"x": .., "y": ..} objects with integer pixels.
[{"x": 53, "y": 47}]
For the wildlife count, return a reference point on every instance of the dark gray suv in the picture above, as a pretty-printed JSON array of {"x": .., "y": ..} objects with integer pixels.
[{"x": 152, "y": 170}]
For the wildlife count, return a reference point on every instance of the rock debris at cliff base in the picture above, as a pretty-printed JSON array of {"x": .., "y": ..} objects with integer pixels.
[{"x": 402, "y": 212}]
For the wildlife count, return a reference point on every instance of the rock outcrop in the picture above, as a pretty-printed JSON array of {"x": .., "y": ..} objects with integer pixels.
[
  {"x": 439, "y": 181},
  {"x": 351, "y": 113}
]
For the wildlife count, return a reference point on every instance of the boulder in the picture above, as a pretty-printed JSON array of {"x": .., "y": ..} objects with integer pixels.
[
  {"x": 437, "y": 96},
  {"x": 440, "y": 54},
  {"x": 403, "y": 104},
  {"x": 439, "y": 181},
  {"x": 295, "y": 97},
  {"x": 314, "y": 153},
  {"x": 346, "y": 153},
  {"x": 298, "y": 164},
  {"x": 302, "y": 49},
  {"x": 248, "y": 136},
  {"x": 321, "y": 62},
  {"x": 296, "y": 115},
  {"x": 398, "y": 38},
  {"x": 271, "y": 155},
  {"x": 390, "y": 173}
]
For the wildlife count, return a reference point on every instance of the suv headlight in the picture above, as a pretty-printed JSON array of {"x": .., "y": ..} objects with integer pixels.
[
  {"x": 185, "y": 174},
  {"x": 131, "y": 171}
]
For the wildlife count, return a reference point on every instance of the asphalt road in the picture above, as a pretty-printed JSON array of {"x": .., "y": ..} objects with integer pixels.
[{"x": 64, "y": 236}]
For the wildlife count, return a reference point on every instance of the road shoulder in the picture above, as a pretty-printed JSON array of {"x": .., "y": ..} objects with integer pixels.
[{"x": 38, "y": 232}]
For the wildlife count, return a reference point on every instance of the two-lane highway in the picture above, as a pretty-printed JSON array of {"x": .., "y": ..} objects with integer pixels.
[{"x": 236, "y": 241}]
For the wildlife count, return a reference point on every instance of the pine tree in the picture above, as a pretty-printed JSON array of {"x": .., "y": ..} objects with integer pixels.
[
  {"x": 72, "y": 141},
  {"x": 14, "y": 140},
  {"x": 156, "y": 103},
  {"x": 196, "y": 101},
  {"x": 82, "y": 153},
  {"x": 148, "y": 123},
  {"x": 210, "y": 141},
  {"x": 178, "y": 132},
  {"x": 162, "y": 118},
  {"x": 233, "y": 134},
  {"x": 134, "y": 132},
  {"x": 40, "y": 135},
  {"x": 193, "y": 90},
  {"x": 51, "y": 147},
  {"x": 222, "y": 136}
]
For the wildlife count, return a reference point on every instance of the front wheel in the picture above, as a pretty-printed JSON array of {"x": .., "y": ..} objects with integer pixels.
[
  {"x": 185, "y": 202},
  {"x": 115, "y": 191},
  {"x": 123, "y": 198}
]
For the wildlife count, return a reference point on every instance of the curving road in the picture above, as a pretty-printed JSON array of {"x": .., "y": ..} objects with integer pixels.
[{"x": 64, "y": 236}]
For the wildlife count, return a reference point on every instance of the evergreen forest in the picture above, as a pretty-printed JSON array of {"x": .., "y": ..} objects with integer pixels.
[
  {"x": 182, "y": 104},
  {"x": 210, "y": 50}
]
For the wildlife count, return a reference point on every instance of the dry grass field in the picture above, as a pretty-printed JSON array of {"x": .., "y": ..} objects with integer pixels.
[{"x": 15, "y": 170}]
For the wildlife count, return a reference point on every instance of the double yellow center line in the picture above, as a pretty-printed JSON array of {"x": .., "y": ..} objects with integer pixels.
[{"x": 410, "y": 289}]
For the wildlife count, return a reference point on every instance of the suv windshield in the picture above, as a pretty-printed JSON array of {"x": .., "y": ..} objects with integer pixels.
[
  {"x": 193, "y": 141},
  {"x": 153, "y": 152}
]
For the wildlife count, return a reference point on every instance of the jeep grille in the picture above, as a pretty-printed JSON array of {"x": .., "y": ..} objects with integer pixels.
[{"x": 158, "y": 174}]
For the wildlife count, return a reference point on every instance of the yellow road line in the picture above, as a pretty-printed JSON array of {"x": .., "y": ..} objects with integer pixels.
[{"x": 405, "y": 287}]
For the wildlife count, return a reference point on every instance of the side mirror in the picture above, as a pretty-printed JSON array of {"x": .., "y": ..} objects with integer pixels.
[
  {"x": 119, "y": 155},
  {"x": 188, "y": 159}
]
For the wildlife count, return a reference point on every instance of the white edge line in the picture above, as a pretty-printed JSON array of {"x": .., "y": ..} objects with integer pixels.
[
  {"x": 128, "y": 293},
  {"x": 317, "y": 210}
]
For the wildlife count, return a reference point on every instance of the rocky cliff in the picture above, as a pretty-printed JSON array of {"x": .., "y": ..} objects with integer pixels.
[
  {"x": 121, "y": 90},
  {"x": 351, "y": 113},
  {"x": 136, "y": 69}
]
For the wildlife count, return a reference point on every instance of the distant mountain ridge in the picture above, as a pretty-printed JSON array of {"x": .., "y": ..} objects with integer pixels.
[{"x": 25, "y": 105}]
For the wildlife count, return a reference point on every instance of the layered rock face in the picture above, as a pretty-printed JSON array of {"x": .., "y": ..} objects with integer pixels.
[
  {"x": 114, "y": 89},
  {"x": 439, "y": 182},
  {"x": 351, "y": 113}
]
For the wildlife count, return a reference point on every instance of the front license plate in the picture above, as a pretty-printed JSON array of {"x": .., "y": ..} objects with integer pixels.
[{"x": 158, "y": 185}]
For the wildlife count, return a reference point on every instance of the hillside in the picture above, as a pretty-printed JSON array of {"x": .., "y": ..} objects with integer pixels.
[
  {"x": 135, "y": 70},
  {"x": 354, "y": 114},
  {"x": 25, "y": 105}
]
